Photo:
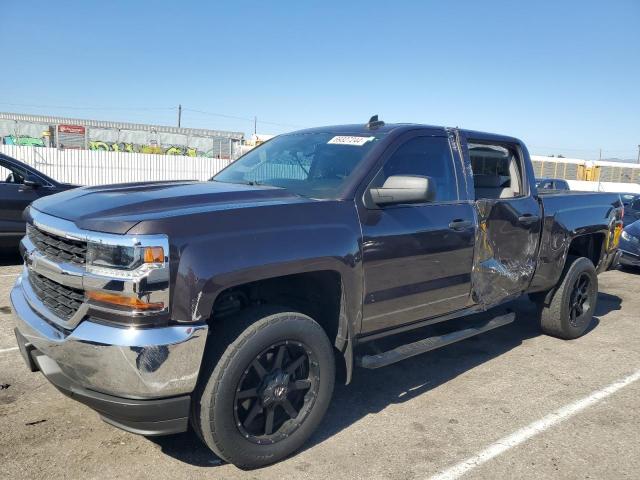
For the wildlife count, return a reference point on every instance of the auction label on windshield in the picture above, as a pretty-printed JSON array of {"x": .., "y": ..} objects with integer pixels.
[{"x": 349, "y": 140}]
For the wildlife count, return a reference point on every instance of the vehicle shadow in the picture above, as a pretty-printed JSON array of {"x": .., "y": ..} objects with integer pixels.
[
  {"x": 416, "y": 376},
  {"x": 607, "y": 303},
  {"x": 187, "y": 448},
  {"x": 402, "y": 381},
  {"x": 630, "y": 270},
  {"x": 10, "y": 257}
]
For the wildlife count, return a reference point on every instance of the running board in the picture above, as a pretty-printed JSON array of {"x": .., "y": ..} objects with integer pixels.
[{"x": 431, "y": 343}]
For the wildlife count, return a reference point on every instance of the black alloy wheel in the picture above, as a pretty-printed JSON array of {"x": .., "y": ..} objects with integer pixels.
[
  {"x": 579, "y": 301},
  {"x": 276, "y": 392}
]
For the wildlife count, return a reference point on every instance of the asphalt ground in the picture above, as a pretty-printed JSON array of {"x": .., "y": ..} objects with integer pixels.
[{"x": 510, "y": 403}]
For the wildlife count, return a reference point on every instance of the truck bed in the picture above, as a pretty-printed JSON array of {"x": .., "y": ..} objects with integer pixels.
[{"x": 568, "y": 215}]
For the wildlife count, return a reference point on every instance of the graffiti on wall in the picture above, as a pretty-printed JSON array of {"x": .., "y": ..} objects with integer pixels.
[
  {"x": 23, "y": 140},
  {"x": 99, "y": 145},
  {"x": 130, "y": 140}
]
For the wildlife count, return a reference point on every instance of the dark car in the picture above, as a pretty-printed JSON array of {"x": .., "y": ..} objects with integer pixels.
[
  {"x": 20, "y": 185},
  {"x": 630, "y": 245},
  {"x": 551, "y": 184},
  {"x": 224, "y": 305},
  {"x": 631, "y": 202}
]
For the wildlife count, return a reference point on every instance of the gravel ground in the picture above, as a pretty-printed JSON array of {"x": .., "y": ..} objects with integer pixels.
[{"x": 410, "y": 420}]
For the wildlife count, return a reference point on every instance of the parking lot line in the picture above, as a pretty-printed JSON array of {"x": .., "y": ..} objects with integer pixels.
[
  {"x": 8, "y": 349},
  {"x": 533, "y": 429},
  {"x": 9, "y": 274}
]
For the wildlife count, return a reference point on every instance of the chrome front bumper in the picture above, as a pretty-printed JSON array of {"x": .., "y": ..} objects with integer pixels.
[{"x": 133, "y": 363}]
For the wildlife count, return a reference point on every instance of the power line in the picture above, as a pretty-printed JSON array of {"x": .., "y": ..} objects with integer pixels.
[
  {"x": 67, "y": 107},
  {"x": 203, "y": 112},
  {"x": 248, "y": 119}
]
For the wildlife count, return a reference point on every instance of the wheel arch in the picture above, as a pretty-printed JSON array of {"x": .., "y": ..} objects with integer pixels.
[{"x": 324, "y": 294}]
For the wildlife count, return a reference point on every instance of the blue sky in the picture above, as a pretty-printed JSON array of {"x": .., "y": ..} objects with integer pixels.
[{"x": 562, "y": 75}]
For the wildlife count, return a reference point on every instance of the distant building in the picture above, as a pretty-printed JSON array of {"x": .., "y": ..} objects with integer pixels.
[
  {"x": 589, "y": 170},
  {"x": 254, "y": 140},
  {"x": 66, "y": 133}
]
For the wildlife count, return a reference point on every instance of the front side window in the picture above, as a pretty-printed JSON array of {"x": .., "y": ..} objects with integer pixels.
[
  {"x": 314, "y": 165},
  {"x": 424, "y": 157}
]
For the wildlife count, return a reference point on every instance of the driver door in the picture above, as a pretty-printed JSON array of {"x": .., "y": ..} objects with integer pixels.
[{"x": 417, "y": 258}]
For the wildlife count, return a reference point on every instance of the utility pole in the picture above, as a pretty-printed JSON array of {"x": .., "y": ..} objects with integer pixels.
[
  {"x": 179, "y": 115},
  {"x": 600, "y": 156},
  {"x": 639, "y": 154},
  {"x": 255, "y": 125}
]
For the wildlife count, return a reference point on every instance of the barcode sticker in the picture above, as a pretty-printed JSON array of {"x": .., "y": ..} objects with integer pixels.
[{"x": 349, "y": 140}]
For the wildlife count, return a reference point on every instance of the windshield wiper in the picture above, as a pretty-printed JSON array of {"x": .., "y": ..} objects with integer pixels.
[{"x": 241, "y": 182}]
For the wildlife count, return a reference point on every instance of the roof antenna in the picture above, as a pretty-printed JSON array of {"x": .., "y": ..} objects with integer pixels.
[{"x": 374, "y": 123}]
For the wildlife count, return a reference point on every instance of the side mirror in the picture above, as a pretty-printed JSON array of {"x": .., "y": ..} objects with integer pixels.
[
  {"x": 404, "y": 189},
  {"x": 31, "y": 181}
]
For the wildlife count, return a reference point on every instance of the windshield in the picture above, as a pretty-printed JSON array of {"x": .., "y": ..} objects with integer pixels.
[{"x": 315, "y": 165}]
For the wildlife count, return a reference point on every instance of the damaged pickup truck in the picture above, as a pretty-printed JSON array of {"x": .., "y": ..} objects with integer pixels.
[{"x": 227, "y": 305}]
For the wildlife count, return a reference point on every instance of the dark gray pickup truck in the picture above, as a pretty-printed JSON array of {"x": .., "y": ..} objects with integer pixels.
[{"x": 226, "y": 304}]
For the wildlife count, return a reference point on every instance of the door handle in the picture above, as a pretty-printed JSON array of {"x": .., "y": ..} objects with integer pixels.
[
  {"x": 460, "y": 224},
  {"x": 528, "y": 218}
]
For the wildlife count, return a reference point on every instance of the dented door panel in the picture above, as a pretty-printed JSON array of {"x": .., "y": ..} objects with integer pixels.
[{"x": 505, "y": 250}]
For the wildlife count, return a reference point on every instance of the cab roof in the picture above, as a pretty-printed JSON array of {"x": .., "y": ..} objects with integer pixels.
[{"x": 398, "y": 128}]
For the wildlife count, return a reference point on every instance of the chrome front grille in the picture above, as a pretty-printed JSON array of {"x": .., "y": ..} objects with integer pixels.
[
  {"x": 58, "y": 248},
  {"x": 60, "y": 299}
]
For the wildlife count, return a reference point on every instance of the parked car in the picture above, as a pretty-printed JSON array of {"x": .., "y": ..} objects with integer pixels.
[
  {"x": 552, "y": 184},
  {"x": 224, "y": 304},
  {"x": 631, "y": 202},
  {"x": 630, "y": 245},
  {"x": 20, "y": 184}
]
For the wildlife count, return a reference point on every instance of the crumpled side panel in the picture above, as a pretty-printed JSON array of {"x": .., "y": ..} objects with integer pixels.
[{"x": 502, "y": 265}]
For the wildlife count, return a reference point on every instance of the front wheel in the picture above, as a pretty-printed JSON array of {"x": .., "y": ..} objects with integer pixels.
[
  {"x": 266, "y": 388},
  {"x": 568, "y": 310}
]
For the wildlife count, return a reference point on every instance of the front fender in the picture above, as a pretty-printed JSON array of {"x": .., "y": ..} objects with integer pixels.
[{"x": 214, "y": 251}]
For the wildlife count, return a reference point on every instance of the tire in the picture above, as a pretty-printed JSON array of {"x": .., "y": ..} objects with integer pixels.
[
  {"x": 567, "y": 311},
  {"x": 232, "y": 386}
]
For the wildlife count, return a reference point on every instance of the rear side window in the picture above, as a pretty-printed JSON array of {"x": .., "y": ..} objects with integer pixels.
[
  {"x": 11, "y": 174},
  {"x": 424, "y": 157},
  {"x": 497, "y": 171}
]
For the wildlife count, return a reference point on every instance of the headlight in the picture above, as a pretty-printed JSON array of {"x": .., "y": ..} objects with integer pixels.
[
  {"x": 628, "y": 237},
  {"x": 122, "y": 257},
  {"x": 127, "y": 278}
]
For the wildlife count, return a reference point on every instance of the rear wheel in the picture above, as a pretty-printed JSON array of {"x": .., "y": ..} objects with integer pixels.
[
  {"x": 266, "y": 388},
  {"x": 567, "y": 311}
]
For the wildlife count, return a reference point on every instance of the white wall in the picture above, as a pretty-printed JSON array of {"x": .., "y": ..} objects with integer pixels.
[
  {"x": 86, "y": 167},
  {"x": 583, "y": 185}
]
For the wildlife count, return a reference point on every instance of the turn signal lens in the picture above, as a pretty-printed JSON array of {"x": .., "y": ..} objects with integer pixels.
[
  {"x": 153, "y": 255},
  {"x": 130, "y": 302}
]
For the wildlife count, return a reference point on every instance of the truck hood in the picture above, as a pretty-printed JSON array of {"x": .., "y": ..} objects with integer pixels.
[{"x": 117, "y": 208}]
